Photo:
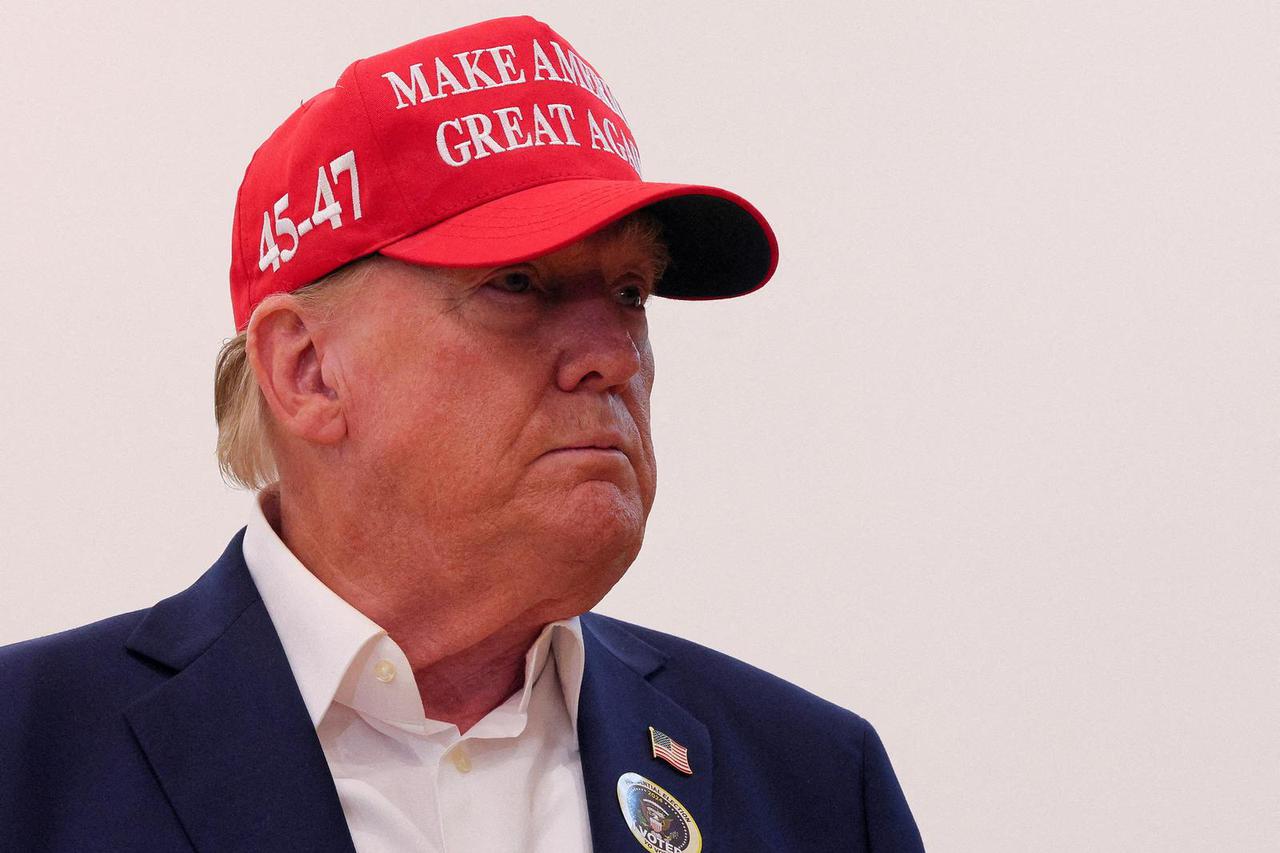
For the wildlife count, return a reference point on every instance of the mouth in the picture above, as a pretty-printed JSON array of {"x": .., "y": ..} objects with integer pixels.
[{"x": 605, "y": 443}]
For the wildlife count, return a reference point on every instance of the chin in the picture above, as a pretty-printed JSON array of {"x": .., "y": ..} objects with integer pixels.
[
  {"x": 603, "y": 502},
  {"x": 588, "y": 541},
  {"x": 601, "y": 524}
]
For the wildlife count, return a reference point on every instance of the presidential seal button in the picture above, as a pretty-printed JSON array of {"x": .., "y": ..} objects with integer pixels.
[{"x": 658, "y": 820}]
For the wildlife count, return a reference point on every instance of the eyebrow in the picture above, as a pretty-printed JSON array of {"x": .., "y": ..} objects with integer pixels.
[{"x": 629, "y": 248}]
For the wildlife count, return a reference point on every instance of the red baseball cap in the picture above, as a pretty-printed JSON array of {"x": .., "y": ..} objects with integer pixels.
[{"x": 487, "y": 145}]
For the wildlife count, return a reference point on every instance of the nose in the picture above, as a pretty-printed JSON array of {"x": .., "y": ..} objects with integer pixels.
[{"x": 599, "y": 345}]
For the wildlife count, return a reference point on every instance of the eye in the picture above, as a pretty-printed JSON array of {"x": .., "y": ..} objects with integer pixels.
[
  {"x": 512, "y": 281},
  {"x": 633, "y": 295}
]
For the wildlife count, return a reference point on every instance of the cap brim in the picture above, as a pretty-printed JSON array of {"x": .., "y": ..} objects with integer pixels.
[{"x": 720, "y": 245}]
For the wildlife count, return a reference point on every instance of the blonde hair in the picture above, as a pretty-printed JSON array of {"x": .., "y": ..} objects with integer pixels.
[
  {"x": 244, "y": 450},
  {"x": 244, "y": 446}
]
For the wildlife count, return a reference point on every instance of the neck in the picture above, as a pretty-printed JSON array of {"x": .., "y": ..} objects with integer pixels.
[
  {"x": 466, "y": 647},
  {"x": 462, "y": 688}
]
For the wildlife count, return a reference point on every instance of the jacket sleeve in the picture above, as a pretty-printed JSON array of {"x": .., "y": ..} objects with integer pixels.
[{"x": 890, "y": 826}]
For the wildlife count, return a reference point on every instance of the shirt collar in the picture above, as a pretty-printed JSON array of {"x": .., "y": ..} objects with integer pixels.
[
  {"x": 321, "y": 633},
  {"x": 329, "y": 642}
]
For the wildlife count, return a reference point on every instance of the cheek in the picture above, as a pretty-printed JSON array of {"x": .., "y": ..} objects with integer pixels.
[
  {"x": 643, "y": 383},
  {"x": 641, "y": 388},
  {"x": 647, "y": 366},
  {"x": 457, "y": 402}
]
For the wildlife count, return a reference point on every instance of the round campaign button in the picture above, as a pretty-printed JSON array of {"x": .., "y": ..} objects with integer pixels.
[{"x": 658, "y": 820}]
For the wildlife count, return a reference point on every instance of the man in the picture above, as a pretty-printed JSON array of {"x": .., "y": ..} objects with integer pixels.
[{"x": 441, "y": 390}]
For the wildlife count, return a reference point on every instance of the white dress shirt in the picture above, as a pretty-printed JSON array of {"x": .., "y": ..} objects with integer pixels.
[{"x": 513, "y": 782}]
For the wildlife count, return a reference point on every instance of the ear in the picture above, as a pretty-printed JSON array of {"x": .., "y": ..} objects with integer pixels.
[{"x": 288, "y": 358}]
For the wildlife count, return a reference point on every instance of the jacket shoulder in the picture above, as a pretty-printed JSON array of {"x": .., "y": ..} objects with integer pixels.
[
  {"x": 104, "y": 665},
  {"x": 70, "y": 645},
  {"x": 697, "y": 671},
  {"x": 823, "y": 767},
  {"x": 87, "y": 659}
]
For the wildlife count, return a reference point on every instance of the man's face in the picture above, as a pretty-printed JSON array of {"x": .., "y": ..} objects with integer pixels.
[{"x": 507, "y": 411}]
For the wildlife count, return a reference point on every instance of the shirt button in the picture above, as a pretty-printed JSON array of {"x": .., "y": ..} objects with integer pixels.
[
  {"x": 384, "y": 671},
  {"x": 461, "y": 761}
]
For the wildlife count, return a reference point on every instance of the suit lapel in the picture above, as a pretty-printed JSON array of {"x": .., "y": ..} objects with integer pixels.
[
  {"x": 615, "y": 710},
  {"x": 234, "y": 750},
  {"x": 228, "y": 736}
]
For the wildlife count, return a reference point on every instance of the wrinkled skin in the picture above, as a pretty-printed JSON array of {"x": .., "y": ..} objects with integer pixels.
[{"x": 423, "y": 428}]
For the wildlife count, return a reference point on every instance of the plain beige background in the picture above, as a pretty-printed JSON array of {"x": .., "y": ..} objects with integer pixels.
[{"x": 992, "y": 461}]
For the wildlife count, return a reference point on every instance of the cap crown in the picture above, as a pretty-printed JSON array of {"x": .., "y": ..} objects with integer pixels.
[{"x": 413, "y": 136}]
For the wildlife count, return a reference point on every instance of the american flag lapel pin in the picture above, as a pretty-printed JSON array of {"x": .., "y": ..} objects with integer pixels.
[{"x": 669, "y": 751}]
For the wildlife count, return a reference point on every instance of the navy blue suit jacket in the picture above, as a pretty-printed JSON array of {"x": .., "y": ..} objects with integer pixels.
[{"x": 181, "y": 727}]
